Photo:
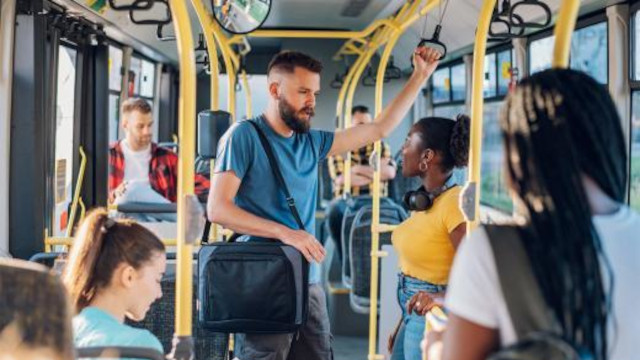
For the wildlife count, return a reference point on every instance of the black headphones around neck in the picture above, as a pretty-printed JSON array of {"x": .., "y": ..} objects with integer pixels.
[{"x": 422, "y": 200}]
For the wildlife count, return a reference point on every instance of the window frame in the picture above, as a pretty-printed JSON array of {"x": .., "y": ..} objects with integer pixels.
[
  {"x": 496, "y": 50},
  {"x": 449, "y": 65},
  {"x": 634, "y": 86}
]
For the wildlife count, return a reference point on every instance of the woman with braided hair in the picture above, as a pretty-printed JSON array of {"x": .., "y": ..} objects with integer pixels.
[{"x": 567, "y": 167}]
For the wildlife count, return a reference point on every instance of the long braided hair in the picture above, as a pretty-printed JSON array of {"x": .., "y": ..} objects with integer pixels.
[{"x": 559, "y": 125}]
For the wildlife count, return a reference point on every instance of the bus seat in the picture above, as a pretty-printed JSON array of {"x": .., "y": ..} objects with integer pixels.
[
  {"x": 49, "y": 259},
  {"x": 353, "y": 205},
  {"x": 34, "y": 301},
  {"x": 360, "y": 251},
  {"x": 160, "y": 320}
]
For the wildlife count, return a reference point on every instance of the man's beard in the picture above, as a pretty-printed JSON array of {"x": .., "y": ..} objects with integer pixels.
[{"x": 289, "y": 115}]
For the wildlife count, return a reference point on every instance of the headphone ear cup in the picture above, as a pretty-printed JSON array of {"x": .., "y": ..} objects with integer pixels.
[
  {"x": 407, "y": 200},
  {"x": 421, "y": 201}
]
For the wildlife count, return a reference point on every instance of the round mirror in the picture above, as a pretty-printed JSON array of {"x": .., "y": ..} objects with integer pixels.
[{"x": 241, "y": 16}]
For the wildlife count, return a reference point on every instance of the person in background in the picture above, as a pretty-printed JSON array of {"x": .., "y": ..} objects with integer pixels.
[
  {"x": 139, "y": 169},
  {"x": 361, "y": 176}
]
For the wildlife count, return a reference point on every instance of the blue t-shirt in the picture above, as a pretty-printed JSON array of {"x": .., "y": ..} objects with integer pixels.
[
  {"x": 95, "y": 327},
  {"x": 298, "y": 156}
]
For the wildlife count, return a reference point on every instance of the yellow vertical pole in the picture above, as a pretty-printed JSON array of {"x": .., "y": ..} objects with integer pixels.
[
  {"x": 76, "y": 193},
  {"x": 247, "y": 95},
  {"x": 376, "y": 229},
  {"x": 566, "y": 22},
  {"x": 480, "y": 49},
  {"x": 186, "y": 132},
  {"x": 375, "y": 219}
]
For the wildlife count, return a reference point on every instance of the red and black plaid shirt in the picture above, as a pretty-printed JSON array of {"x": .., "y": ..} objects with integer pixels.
[{"x": 163, "y": 173}]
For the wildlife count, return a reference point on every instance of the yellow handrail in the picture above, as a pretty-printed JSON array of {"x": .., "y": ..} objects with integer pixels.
[
  {"x": 211, "y": 28},
  {"x": 77, "y": 191},
  {"x": 566, "y": 22},
  {"x": 186, "y": 131},
  {"x": 247, "y": 95},
  {"x": 205, "y": 19},
  {"x": 479, "y": 51},
  {"x": 321, "y": 34}
]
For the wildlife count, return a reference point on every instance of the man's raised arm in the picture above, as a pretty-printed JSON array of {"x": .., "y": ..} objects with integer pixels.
[{"x": 425, "y": 61}]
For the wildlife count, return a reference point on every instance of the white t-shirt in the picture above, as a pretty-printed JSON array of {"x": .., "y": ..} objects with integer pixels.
[
  {"x": 136, "y": 174},
  {"x": 474, "y": 291},
  {"x": 136, "y": 163}
]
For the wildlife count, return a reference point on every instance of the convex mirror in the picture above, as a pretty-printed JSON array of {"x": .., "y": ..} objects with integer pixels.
[{"x": 241, "y": 16}]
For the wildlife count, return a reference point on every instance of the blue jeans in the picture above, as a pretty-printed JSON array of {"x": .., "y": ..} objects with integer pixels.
[{"x": 411, "y": 332}]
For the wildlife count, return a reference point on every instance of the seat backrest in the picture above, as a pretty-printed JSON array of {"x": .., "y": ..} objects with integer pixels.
[
  {"x": 353, "y": 205},
  {"x": 160, "y": 320},
  {"x": 34, "y": 303},
  {"x": 360, "y": 248}
]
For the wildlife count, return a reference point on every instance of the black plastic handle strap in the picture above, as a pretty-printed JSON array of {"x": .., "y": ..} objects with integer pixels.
[
  {"x": 164, "y": 21},
  {"x": 527, "y": 24},
  {"x": 278, "y": 174},
  {"x": 435, "y": 40},
  {"x": 136, "y": 5}
]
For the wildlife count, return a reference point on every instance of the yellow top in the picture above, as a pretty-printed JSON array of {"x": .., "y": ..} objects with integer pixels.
[{"x": 422, "y": 241}]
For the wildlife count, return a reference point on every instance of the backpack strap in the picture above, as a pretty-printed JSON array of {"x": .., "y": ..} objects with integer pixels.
[{"x": 525, "y": 303}]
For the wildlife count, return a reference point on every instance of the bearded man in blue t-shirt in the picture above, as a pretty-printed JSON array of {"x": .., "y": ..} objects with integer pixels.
[{"x": 245, "y": 196}]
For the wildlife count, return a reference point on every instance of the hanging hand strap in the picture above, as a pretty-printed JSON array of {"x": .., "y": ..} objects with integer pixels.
[{"x": 278, "y": 174}]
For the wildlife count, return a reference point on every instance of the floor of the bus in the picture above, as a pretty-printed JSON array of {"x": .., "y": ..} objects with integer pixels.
[{"x": 350, "y": 348}]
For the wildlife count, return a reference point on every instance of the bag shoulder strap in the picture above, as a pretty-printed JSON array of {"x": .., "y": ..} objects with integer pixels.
[
  {"x": 278, "y": 174},
  {"x": 525, "y": 303}
]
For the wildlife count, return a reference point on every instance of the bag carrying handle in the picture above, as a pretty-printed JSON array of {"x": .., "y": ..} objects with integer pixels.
[{"x": 278, "y": 174}]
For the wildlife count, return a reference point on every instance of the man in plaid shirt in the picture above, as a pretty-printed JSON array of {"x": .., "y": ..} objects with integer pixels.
[
  {"x": 361, "y": 176},
  {"x": 140, "y": 170}
]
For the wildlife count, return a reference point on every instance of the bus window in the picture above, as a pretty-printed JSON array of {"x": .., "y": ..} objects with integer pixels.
[
  {"x": 635, "y": 151},
  {"x": 589, "y": 51},
  {"x": 494, "y": 191},
  {"x": 540, "y": 54},
  {"x": 64, "y": 149},
  {"x": 458, "y": 83},
  {"x": 441, "y": 86},
  {"x": 489, "y": 86},
  {"x": 115, "y": 87}
]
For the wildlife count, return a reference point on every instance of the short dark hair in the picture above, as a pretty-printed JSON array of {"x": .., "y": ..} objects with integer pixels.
[
  {"x": 287, "y": 61},
  {"x": 136, "y": 104},
  {"x": 360, "y": 109}
]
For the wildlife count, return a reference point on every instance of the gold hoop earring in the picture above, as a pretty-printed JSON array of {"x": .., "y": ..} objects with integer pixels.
[{"x": 426, "y": 167}]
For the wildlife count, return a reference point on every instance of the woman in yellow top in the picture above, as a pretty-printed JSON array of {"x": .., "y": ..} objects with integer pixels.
[{"x": 426, "y": 242}]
